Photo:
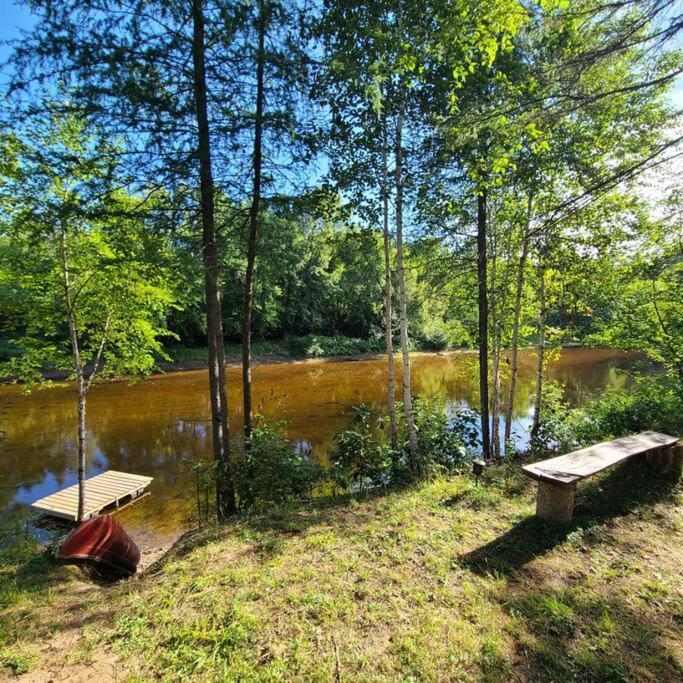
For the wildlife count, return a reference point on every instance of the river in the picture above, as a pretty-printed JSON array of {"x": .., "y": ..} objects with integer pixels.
[{"x": 158, "y": 426}]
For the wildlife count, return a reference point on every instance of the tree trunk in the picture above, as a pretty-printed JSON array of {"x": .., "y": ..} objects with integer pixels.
[
  {"x": 80, "y": 375},
  {"x": 495, "y": 308},
  {"x": 536, "y": 422},
  {"x": 225, "y": 495},
  {"x": 388, "y": 322},
  {"x": 403, "y": 304},
  {"x": 519, "y": 287},
  {"x": 483, "y": 324},
  {"x": 253, "y": 229},
  {"x": 495, "y": 419},
  {"x": 81, "y": 446}
]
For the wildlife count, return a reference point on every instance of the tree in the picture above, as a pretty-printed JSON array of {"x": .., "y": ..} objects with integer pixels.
[
  {"x": 281, "y": 121},
  {"x": 506, "y": 136},
  {"x": 645, "y": 289},
  {"x": 225, "y": 494},
  {"x": 253, "y": 222},
  {"x": 367, "y": 100},
  {"x": 72, "y": 258},
  {"x": 140, "y": 71}
]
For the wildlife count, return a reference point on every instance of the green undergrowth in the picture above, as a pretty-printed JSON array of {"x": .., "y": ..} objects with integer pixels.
[
  {"x": 445, "y": 580},
  {"x": 308, "y": 346}
]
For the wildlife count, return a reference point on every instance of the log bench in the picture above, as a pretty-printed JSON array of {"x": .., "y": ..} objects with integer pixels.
[{"x": 557, "y": 477}]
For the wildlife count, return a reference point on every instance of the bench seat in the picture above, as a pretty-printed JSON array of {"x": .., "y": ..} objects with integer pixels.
[{"x": 557, "y": 477}]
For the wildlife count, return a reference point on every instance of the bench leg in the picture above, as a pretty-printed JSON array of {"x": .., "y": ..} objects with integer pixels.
[
  {"x": 555, "y": 503},
  {"x": 668, "y": 461}
]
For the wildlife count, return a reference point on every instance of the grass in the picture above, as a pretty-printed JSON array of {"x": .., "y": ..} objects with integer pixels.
[{"x": 442, "y": 581}]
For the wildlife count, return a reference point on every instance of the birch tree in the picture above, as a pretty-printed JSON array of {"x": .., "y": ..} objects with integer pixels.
[{"x": 72, "y": 260}]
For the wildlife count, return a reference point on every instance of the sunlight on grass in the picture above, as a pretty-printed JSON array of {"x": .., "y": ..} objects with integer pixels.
[{"x": 391, "y": 586}]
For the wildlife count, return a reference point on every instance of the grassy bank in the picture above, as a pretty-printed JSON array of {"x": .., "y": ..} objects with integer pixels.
[{"x": 444, "y": 581}]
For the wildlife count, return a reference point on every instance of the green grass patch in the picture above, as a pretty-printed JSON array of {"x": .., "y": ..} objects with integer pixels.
[{"x": 443, "y": 580}]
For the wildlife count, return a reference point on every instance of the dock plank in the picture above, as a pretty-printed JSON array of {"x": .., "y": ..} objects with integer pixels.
[{"x": 101, "y": 491}]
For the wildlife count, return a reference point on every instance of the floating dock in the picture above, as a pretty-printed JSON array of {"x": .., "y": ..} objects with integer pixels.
[{"x": 102, "y": 491}]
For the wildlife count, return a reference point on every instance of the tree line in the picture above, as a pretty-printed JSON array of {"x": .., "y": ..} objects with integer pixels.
[{"x": 470, "y": 171}]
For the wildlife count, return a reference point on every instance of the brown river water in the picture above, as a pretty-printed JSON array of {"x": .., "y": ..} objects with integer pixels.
[{"x": 157, "y": 426}]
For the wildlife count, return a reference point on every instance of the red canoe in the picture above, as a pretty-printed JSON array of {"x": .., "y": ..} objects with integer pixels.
[{"x": 101, "y": 540}]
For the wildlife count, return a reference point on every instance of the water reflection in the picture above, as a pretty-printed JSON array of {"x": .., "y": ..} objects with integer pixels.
[{"x": 156, "y": 427}]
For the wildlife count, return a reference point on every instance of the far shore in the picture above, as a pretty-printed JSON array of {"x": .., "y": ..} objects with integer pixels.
[{"x": 195, "y": 362}]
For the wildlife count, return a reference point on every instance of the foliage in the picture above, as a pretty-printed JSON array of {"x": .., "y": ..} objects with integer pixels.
[
  {"x": 270, "y": 470},
  {"x": 554, "y": 420},
  {"x": 73, "y": 251},
  {"x": 318, "y": 346},
  {"x": 650, "y": 402},
  {"x": 441, "y": 441},
  {"x": 363, "y": 456},
  {"x": 645, "y": 308}
]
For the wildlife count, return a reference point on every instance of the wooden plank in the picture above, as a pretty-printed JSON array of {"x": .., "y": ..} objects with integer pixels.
[
  {"x": 71, "y": 500},
  {"x": 114, "y": 475},
  {"x": 101, "y": 491},
  {"x": 121, "y": 478},
  {"x": 89, "y": 489},
  {"x": 569, "y": 468},
  {"x": 68, "y": 505},
  {"x": 89, "y": 493},
  {"x": 126, "y": 475},
  {"x": 105, "y": 482},
  {"x": 49, "y": 507}
]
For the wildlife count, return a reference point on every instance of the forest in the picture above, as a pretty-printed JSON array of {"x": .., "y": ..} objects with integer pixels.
[{"x": 222, "y": 185}]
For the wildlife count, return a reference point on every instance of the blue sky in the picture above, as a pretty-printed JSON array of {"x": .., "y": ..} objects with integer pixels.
[{"x": 14, "y": 18}]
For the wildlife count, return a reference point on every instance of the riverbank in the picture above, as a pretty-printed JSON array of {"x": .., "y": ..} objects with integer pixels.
[
  {"x": 289, "y": 349},
  {"x": 442, "y": 581}
]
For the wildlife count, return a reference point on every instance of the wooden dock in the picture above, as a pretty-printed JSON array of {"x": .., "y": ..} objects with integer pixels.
[{"x": 102, "y": 491}]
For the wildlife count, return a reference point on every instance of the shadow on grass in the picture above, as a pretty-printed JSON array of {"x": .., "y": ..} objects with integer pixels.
[
  {"x": 624, "y": 489},
  {"x": 270, "y": 527},
  {"x": 577, "y": 634},
  {"x": 26, "y": 574}
]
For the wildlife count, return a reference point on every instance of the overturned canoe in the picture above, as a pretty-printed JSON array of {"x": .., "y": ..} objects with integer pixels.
[{"x": 101, "y": 541}]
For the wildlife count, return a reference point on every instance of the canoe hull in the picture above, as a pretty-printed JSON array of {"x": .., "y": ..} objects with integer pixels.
[{"x": 101, "y": 541}]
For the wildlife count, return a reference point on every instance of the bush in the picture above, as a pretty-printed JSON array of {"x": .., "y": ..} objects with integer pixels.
[
  {"x": 433, "y": 340},
  {"x": 317, "y": 346},
  {"x": 270, "y": 470},
  {"x": 362, "y": 455},
  {"x": 441, "y": 447},
  {"x": 554, "y": 431},
  {"x": 652, "y": 402}
]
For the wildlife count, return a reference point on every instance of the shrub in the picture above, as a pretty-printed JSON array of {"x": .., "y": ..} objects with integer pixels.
[
  {"x": 318, "y": 346},
  {"x": 270, "y": 470},
  {"x": 554, "y": 432},
  {"x": 440, "y": 445},
  {"x": 433, "y": 340},
  {"x": 652, "y": 402},
  {"x": 362, "y": 455}
]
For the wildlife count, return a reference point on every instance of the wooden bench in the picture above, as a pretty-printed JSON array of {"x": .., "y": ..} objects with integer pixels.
[{"x": 557, "y": 477}]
